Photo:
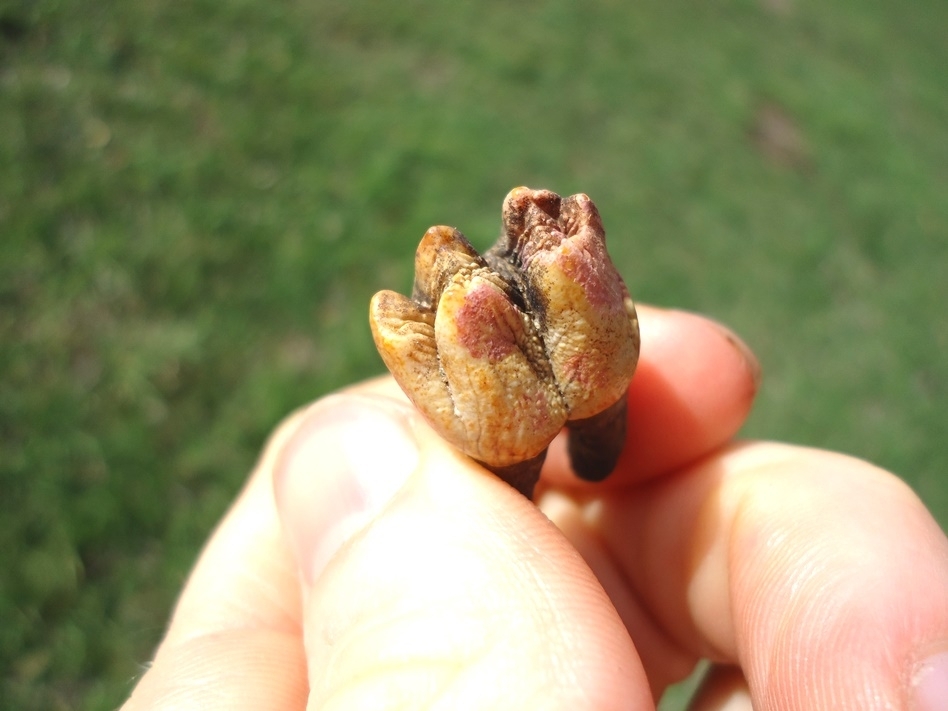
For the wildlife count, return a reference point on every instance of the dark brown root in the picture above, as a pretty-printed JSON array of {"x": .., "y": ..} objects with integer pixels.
[
  {"x": 522, "y": 476},
  {"x": 596, "y": 442}
]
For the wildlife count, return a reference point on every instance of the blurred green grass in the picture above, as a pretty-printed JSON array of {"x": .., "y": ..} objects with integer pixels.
[{"x": 198, "y": 199}]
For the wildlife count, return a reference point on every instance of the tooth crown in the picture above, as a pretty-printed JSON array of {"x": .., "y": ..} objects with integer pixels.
[{"x": 500, "y": 351}]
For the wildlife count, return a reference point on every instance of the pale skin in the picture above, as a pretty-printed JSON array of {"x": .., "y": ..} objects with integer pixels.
[{"x": 368, "y": 565}]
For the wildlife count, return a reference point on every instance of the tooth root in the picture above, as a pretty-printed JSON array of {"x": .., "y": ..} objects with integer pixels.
[
  {"x": 596, "y": 442},
  {"x": 522, "y": 476}
]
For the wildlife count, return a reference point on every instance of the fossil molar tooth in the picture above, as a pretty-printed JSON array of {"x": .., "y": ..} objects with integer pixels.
[{"x": 500, "y": 351}]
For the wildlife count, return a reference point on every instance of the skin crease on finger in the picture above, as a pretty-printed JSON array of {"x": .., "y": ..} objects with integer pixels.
[{"x": 824, "y": 577}]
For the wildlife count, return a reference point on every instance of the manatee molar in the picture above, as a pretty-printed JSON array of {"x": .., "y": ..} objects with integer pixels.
[{"x": 500, "y": 351}]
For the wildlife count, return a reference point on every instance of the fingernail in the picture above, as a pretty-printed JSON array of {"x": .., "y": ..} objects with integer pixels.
[
  {"x": 753, "y": 365},
  {"x": 338, "y": 472},
  {"x": 929, "y": 690}
]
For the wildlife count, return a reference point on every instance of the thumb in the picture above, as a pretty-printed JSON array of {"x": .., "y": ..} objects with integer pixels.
[{"x": 429, "y": 583}]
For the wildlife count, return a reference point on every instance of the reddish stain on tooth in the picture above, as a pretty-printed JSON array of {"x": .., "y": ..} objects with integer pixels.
[
  {"x": 584, "y": 369},
  {"x": 587, "y": 267},
  {"x": 483, "y": 323}
]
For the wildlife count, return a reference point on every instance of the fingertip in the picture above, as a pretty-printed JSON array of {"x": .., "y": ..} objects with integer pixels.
[
  {"x": 836, "y": 577},
  {"x": 695, "y": 384}
]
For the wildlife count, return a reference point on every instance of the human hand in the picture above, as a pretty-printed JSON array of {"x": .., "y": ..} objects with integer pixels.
[{"x": 366, "y": 565}]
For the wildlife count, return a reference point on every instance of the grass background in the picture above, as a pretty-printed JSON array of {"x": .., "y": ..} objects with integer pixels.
[{"x": 198, "y": 199}]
